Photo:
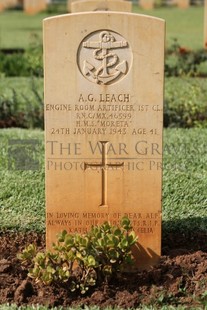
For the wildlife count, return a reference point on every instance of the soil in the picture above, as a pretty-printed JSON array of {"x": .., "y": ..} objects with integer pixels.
[{"x": 179, "y": 279}]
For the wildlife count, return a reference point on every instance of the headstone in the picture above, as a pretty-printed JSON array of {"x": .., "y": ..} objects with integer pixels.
[
  {"x": 6, "y": 4},
  {"x": 34, "y": 6},
  {"x": 13, "y": 3},
  {"x": 147, "y": 4},
  {"x": 205, "y": 24},
  {"x": 103, "y": 124},
  {"x": 69, "y": 2},
  {"x": 97, "y": 5},
  {"x": 183, "y": 4},
  {"x": 2, "y": 5}
]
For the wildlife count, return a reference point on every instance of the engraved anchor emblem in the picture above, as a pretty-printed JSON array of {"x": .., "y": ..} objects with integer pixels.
[{"x": 110, "y": 67}]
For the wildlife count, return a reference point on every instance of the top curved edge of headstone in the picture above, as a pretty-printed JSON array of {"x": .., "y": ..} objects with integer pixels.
[{"x": 71, "y": 15}]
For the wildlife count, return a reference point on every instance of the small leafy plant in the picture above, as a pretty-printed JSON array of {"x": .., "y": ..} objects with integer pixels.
[{"x": 82, "y": 261}]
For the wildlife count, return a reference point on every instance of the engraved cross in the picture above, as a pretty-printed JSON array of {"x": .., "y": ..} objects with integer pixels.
[{"x": 103, "y": 166}]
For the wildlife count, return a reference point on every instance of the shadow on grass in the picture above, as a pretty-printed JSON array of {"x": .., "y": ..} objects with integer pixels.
[{"x": 187, "y": 235}]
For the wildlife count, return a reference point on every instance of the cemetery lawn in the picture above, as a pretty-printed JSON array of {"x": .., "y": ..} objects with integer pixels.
[
  {"x": 181, "y": 277},
  {"x": 17, "y": 29},
  {"x": 188, "y": 28}
]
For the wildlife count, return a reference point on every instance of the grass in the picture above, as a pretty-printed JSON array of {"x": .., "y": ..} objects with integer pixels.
[
  {"x": 185, "y": 25},
  {"x": 185, "y": 179},
  {"x": 22, "y": 204},
  {"x": 17, "y": 29},
  {"x": 21, "y": 192}
]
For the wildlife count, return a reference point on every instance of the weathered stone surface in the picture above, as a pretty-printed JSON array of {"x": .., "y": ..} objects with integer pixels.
[
  {"x": 183, "y": 4},
  {"x": 5, "y": 4},
  {"x": 34, "y": 6},
  {"x": 147, "y": 4},
  {"x": 103, "y": 124},
  {"x": 2, "y": 5}
]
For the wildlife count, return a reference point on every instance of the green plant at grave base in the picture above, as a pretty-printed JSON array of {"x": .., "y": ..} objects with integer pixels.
[
  {"x": 100, "y": 254},
  {"x": 203, "y": 299}
]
